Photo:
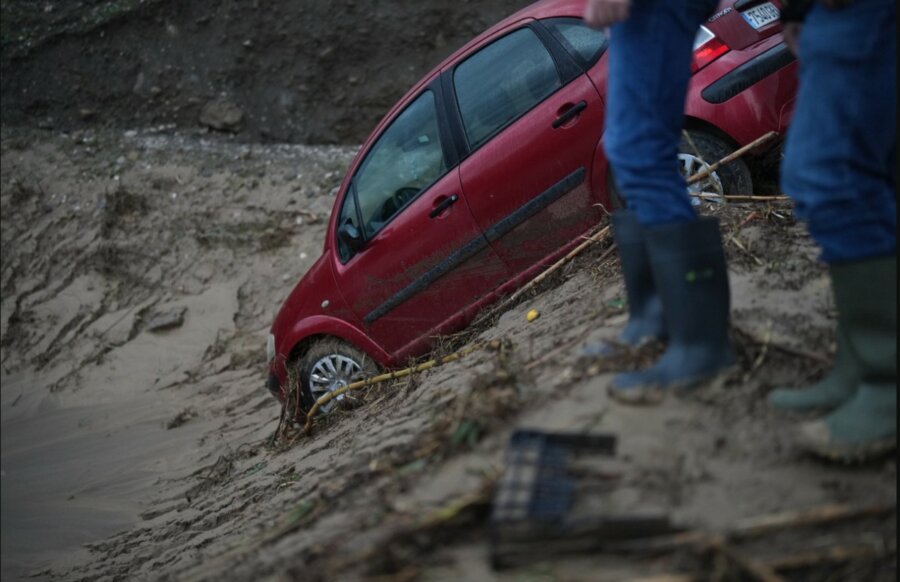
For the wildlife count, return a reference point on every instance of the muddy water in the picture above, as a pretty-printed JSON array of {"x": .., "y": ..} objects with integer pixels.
[
  {"x": 81, "y": 465},
  {"x": 72, "y": 475}
]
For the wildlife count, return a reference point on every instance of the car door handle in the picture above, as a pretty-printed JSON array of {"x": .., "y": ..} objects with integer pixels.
[
  {"x": 443, "y": 205},
  {"x": 570, "y": 114}
]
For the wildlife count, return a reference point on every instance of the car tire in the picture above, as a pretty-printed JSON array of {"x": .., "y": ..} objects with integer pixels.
[
  {"x": 734, "y": 178},
  {"x": 704, "y": 149},
  {"x": 330, "y": 364}
]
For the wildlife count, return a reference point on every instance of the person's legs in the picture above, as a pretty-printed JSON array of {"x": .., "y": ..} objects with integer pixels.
[
  {"x": 649, "y": 70},
  {"x": 840, "y": 162},
  {"x": 680, "y": 255},
  {"x": 650, "y": 57},
  {"x": 840, "y": 169}
]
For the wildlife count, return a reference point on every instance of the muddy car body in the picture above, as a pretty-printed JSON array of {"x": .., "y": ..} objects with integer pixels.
[{"x": 489, "y": 169}]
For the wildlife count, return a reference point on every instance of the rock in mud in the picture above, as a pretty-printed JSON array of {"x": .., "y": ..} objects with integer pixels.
[
  {"x": 168, "y": 320},
  {"x": 222, "y": 115}
]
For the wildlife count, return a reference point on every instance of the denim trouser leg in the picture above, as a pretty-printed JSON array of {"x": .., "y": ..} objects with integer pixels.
[
  {"x": 842, "y": 146},
  {"x": 649, "y": 70}
]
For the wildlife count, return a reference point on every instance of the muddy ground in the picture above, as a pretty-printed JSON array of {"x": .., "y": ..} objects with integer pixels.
[{"x": 140, "y": 272}]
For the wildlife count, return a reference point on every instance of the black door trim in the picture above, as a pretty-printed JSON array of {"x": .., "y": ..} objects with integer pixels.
[{"x": 479, "y": 243}]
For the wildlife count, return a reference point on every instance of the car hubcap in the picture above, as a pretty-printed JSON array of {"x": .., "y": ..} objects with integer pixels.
[
  {"x": 331, "y": 373},
  {"x": 690, "y": 165}
]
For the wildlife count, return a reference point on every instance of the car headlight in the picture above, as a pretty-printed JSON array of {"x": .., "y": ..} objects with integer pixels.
[{"x": 270, "y": 348}]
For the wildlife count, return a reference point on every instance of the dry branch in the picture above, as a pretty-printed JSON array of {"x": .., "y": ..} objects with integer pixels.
[
  {"x": 326, "y": 398},
  {"x": 823, "y": 514},
  {"x": 705, "y": 173},
  {"x": 738, "y": 197},
  {"x": 759, "y": 526},
  {"x": 830, "y": 555},
  {"x": 588, "y": 241},
  {"x": 754, "y": 569},
  {"x": 786, "y": 349}
]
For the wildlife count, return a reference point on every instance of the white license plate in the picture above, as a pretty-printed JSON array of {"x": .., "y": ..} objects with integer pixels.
[{"x": 761, "y": 15}]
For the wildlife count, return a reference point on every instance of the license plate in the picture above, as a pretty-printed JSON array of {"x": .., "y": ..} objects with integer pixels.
[{"x": 761, "y": 15}]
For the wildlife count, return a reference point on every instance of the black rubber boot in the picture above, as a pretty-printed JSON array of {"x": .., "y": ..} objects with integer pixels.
[
  {"x": 645, "y": 315},
  {"x": 689, "y": 270},
  {"x": 865, "y": 425}
]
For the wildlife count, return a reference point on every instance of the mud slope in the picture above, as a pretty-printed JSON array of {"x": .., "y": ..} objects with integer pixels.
[{"x": 140, "y": 271}]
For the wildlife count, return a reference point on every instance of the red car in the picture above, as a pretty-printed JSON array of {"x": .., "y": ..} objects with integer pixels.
[{"x": 492, "y": 167}]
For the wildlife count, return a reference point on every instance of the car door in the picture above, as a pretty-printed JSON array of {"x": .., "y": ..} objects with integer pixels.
[
  {"x": 532, "y": 121},
  {"x": 417, "y": 256}
]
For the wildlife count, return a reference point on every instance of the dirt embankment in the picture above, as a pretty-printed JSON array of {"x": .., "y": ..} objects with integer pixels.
[
  {"x": 310, "y": 72},
  {"x": 140, "y": 272}
]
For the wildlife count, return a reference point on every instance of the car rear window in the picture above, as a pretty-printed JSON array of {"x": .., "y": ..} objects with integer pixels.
[
  {"x": 501, "y": 82},
  {"x": 584, "y": 43}
]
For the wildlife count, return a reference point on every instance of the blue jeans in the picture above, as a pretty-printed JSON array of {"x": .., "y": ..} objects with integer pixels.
[
  {"x": 841, "y": 149},
  {"x": 649, "y": 70}
]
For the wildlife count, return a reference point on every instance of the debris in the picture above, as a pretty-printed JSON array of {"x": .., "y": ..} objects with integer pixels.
[
  {"x": 532, "y": 315},
  {"x": 532, "y": 515}
]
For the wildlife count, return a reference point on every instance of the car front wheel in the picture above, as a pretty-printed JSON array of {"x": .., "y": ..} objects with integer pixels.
[{"x": 330, "y": 365}]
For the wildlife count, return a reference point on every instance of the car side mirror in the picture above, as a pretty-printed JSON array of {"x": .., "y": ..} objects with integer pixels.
[{"x": 351, "y": 237}]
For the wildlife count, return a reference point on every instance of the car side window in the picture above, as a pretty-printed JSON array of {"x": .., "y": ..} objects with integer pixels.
[
  {"x": 501, "y": 82},
  {"x": 580, "y": 40},
  {"x": 405, "y": 160}
]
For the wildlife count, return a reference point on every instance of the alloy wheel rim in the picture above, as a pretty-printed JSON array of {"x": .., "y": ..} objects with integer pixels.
[
  {"x": 689, "y": 165},
  {"x": 331, "y": 373}
]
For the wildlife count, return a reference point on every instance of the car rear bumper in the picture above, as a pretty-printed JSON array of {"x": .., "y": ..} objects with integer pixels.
[{"x": 748, "y": 74}]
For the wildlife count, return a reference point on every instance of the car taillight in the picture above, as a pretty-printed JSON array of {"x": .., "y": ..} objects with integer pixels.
[{"x": 707, "y": 48}]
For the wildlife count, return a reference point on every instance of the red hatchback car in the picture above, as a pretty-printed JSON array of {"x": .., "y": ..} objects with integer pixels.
[{"x": 492, "y": 167}]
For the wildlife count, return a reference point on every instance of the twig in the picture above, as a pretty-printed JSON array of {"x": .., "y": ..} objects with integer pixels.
[
  {"x": 326, "y": 398},
  {"x": 758, "y": 571},
  {"x": 763, "y": 352},
  {"x": 786, "y": 349},
  {"x": 834, "y": 554},
  {"x": 747, "y": 198},
  {"x": 589, "y": 240},
  {"x": 731, "y": 157},
  {"x": 756, "y": 527},
  {"x": 668, "y": 578},
  {"x": 733, "y": 239},
  {"x": 603, "y": 233}
]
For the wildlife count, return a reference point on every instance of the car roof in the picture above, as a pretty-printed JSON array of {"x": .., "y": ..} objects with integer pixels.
[{"x": 538, "y": 10}]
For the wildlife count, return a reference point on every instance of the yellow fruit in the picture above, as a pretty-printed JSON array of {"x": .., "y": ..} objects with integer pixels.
[{"x": 532, "y": 315}]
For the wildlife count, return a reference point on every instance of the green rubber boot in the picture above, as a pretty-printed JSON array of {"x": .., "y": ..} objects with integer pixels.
[
  {"x": 865, "y": 426},
  {"x": 829, "y": 392}
]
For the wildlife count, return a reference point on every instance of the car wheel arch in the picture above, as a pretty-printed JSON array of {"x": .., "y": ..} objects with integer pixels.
[
  {"x": 692, "y": 123},
  {"x": 308, "y": 333}
]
